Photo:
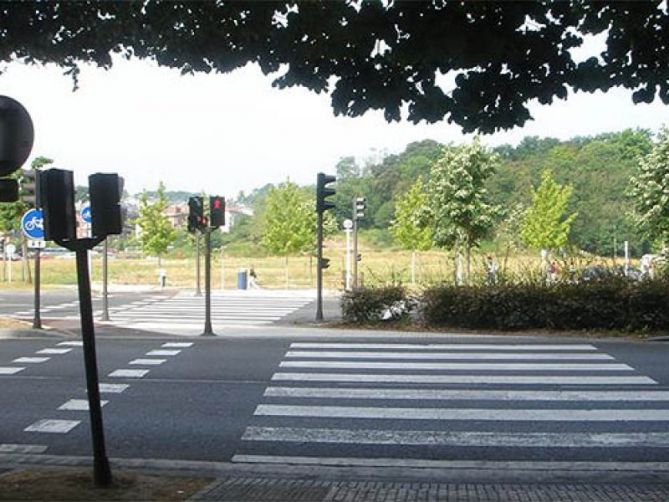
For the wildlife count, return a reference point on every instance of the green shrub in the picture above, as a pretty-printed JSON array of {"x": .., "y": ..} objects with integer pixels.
[
  {"x": 606, "y": 303},
  {"x": 376, "y": 304}
]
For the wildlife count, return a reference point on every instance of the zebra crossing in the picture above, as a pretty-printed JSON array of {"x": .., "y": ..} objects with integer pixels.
[
  {"x": 378, "y": 402},
  {"x": 184, "y": 312}
]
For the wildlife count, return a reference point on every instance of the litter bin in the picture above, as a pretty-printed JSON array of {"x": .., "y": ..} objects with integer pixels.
[{"x": 242, "y": 279}]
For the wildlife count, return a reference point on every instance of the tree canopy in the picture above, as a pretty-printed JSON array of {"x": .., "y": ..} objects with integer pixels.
[{"x": 476, "y": 64}]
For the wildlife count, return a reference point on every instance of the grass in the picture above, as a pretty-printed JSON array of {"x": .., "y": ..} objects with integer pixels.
[
  {"x": 6, "y": 323},
  {"x": 77, "y": 484},
  {"x": 377, "y": 267}
]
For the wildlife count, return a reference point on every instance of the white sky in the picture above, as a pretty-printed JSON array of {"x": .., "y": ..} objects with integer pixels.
[{"x": 231, "y": 132}]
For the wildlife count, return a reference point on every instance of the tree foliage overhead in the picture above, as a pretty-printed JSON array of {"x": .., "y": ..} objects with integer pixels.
[{"x": 369, "y": 55}]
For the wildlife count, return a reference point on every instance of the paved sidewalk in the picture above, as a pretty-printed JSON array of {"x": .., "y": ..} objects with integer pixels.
[{"x": 279, "y": 483}]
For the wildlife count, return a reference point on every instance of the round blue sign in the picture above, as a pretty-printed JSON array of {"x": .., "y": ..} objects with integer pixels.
[
  {"x": 86, "y": 214},
  {"x": 32, "y": 224}
]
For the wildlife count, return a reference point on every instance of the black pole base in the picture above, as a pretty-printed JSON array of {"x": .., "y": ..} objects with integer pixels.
[{"x": 102, "y": 475}]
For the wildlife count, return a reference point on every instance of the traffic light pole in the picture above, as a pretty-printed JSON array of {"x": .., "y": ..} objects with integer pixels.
[
  {"x": 37, "y": 319},
  {"x": 319, "y": 268},
  {"x": 355, "y": 250},
  {"x": 198, "y": 291},
  {"x": 208, "y": 330},
  {"x": 105, "y": 277}
]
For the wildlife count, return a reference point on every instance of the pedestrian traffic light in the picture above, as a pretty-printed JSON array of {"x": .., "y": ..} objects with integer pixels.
[
  {"x": 9, "y": 190},
  {"x": 29, "y": 187},
  {"x": 216, "y": 211},
  {"x": 325, "y": 263},
  {"x": 359, "y": 208},
  {"x": 105, "y": 191},
  {"x": 195, "y": 214},
  {"x": 16, "y": 135},
  {"x": 322, "y": 192},
  {"x": 358, "y": 257},
  {"x": 56, "y": 198}
]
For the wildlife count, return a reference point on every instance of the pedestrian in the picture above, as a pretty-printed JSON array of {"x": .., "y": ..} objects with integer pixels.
[
  {"x": 253, "y": 279},
  {"x": 553, "y": 271},
  {"x": 162, "y": 277},
  {"x": 491, "y": 270}
]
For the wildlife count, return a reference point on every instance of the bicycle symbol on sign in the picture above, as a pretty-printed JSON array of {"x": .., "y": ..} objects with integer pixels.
[{"x": 34, "y": 223}]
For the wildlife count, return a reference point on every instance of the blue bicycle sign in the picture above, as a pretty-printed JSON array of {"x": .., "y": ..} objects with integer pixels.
[
  {"x": 32, "y": 224},
  {"x": 86, "y": 214}
]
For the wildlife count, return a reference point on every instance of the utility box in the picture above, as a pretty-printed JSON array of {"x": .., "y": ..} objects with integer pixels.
[{"x": 242, "y": 279}]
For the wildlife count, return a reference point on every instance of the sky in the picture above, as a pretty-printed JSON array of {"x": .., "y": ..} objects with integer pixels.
[{"x": 223, "y": 133}]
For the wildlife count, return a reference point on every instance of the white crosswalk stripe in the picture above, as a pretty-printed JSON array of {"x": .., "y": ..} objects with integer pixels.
[
  {"x": 184, "y": 314},
  {"x": 571, "y": 397}
]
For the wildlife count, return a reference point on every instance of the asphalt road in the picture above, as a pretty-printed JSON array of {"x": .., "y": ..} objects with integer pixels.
[{"x": 288, "y": 395}]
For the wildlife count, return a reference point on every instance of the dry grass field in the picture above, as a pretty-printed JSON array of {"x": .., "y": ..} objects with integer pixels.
[{"x": 377, "y": 267}]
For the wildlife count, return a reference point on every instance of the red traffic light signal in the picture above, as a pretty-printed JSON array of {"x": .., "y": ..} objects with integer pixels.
[{"x": 216, "y": 211}]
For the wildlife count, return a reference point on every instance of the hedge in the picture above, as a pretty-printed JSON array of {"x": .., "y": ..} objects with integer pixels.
[{"x": 363, "y": 305}]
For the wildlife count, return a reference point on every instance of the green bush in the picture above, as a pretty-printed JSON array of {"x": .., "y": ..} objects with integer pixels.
[
  {"x": 376, "y": 304},
  {"x": 606, "y": 303}
]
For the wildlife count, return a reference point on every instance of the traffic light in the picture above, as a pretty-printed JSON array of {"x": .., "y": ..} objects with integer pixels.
[
  {"x": 216, "y": 211},
  {"x": 358, "y": 257},
  {"x": 56, "y": 198},
  {"x": 16, "y": 135},
  {"x": 359, "y": 208},
  {"x": 9, "y": 190},
  {"x": 195, "y": 214},
  {"x": 29, "y": 187},
  {"x": 322, "y": 192},
  {"x": 105, "y": 192},
  {"x": 325, "y": 263}
]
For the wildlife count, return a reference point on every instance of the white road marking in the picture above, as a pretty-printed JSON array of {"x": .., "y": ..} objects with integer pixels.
[
  {"x": 476, "y": 465},
  {"x": 147, "y": 362},
  {"x": 177, "y": 345},
  {"x": 440, "y": 346},
  {"x": 78, "y": 405},
  {"x": 302, "y": 354},
  {"x": 477, "y": 414},
  {"x": 53, "y": 351},
  {"x": 53, "y": 426},
  {"x": 72, "y": 344},
  {"x": 457, "y": 366},
  {"x": 481, "y": 379},
  {"x": 113, "y": 388},
  {"x": 8, "y": 370},
  {"x": 469, "y": 439},
  {"x": 22, "y": 448},
  {"x": 31, "y": 360},
  {"x": 163, "y": 353},
  {"x": 466, "y": 394},
  {"x": 128, "y": 373}
]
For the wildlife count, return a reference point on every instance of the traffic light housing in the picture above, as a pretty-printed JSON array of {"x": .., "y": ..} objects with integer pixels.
[
  {"x": 358, "y": 257},
  {"x": 9, "y": 190},
  {"x": 29, "y": 187},
  {"x": 196, "y": 219},
  {"x": 105, "y": 192},
  {"x": 216, "y": 211},
  {"x": 56, "y": 198},
  {"x": 16, "y": 135},
  {"x": 323, "y": 192},
  {"x": 359, "y": 208},
  {"x": 325, "y": 263}
]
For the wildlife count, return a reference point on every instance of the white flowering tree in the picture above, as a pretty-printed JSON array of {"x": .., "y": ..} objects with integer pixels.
[
  {"x": 407, "y": 228},
  {"x": 649, "y": 189},
  {"x": 459, "y": 209}
]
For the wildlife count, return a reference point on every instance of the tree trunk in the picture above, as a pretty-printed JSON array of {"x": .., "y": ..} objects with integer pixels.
[
  {"x": 413, "y": 268},
  {"x": 286, "y": 268},
  {"x": 468, "y": 252}
]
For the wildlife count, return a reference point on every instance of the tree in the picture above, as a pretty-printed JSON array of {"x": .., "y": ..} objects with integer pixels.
[
  {"x": 407, "y": 228},
  {"x": 370, "y": 55},
  {"x": 459, "y": 209},
  {"x": 649, "y": 189},
  {"x": 156, "y": 230},
  {"x": 546, "y": 223}
]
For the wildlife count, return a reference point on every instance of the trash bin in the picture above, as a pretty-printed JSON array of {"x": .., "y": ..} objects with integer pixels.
[{"x": 242, "y": 279}]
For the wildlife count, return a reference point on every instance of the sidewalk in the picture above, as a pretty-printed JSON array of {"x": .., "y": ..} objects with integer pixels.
[{"x": 243, "y": 482}]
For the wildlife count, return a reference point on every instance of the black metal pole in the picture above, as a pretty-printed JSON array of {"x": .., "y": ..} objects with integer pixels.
[
  {"x": 37, "y": 319},
  {"x": 198, "y": 291},
  {"x": 105, "y": 272},
  {"x": 101, "y": 468},
  {"x": 207, "y": 283},
  {"x": 355, "y": 248},
  {"x": 319, "y": 269}
]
